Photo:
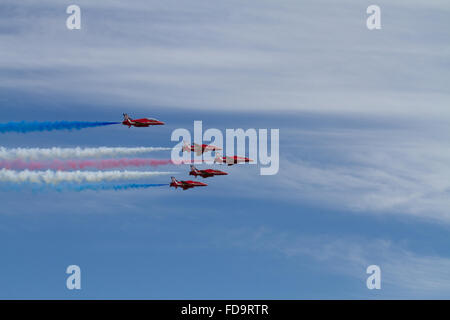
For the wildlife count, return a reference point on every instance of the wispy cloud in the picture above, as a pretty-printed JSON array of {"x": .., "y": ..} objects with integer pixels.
[
  {"x": 405, "y": 274},
  {"x": 260, "y": 55},
  {"x": 373, "y": 169},
  {"x": 414, "y": 182}
]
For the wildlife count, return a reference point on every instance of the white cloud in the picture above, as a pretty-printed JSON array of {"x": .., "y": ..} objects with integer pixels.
[
  {"x": 260, "y": 55},
  {"x": 404, "y": 274},
  {"x": 378, "y": 170},
  {"x": 373, "y": 171}
]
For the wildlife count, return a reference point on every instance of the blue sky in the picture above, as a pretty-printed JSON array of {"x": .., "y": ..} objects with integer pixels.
[{"x": 364, "y": 161}]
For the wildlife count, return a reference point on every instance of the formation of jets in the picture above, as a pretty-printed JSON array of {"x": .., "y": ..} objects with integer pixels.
[
  {"x": 197, "y": 148},
  {"x": 206, "y": 173}
]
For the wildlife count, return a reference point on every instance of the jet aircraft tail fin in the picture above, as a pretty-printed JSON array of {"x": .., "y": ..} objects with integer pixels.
[
  {"x": 218, "y": 157},
  {"x": 186, "y": 146}
]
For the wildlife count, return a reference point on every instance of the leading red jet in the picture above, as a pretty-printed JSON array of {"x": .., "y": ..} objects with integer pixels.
[
  {"x": 231, "y": 160},
  {"x": 206, "y": 173},
  {"x": 144, "y": 122},
  {"x": 199, "y": 149},
  {"x": 186, "y": 184}
]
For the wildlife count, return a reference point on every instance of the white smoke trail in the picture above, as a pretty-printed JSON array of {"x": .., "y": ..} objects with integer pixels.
[
  {"x": 55, "y": 177},
  {"x": 66, "y": 153}
]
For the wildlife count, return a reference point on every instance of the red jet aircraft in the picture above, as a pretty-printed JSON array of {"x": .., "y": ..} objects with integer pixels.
[
  {"x": 199, "y": 149},
  {"x": 186, "y": 184},
  {"x": 144, "y": 122},
  {"x": 206, "y": 173},
  {"x": 230, "y": 160}
]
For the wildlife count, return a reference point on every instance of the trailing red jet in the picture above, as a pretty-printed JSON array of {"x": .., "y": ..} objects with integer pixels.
[
  {"x": 230, "y": 160},
  {"x": 144, "y": 122},
  {"x": 199, "y": 149},
  {"x": 206, "y": 173},
  {"x": 186, "y": 184}
]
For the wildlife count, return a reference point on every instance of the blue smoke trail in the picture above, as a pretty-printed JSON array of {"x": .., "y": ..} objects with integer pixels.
[
  {"x": 79, "y": 188},
  {"x": 29, "y": 126},
  {"x": 99, "y": 187}
]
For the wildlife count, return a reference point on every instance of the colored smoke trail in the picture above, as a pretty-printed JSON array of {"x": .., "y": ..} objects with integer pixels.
[
  {"x": 66, "y": 153},
  {"x": 30, "y": 126},
  {"x": 82, "y": 187},
  {"x": 96, "y": 187},
  {"x": 64, "y": 165},
  {"x": 56, "y": 177}
]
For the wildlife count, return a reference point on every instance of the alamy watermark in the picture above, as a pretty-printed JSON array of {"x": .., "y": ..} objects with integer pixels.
[
  {"x": 251, "y": 144},
  {"x": 74, "y": 20},
  {"x": 374, "y": 280},
  {"x": 373, "y": 22},
  {"x": 74, "y": 280}
]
